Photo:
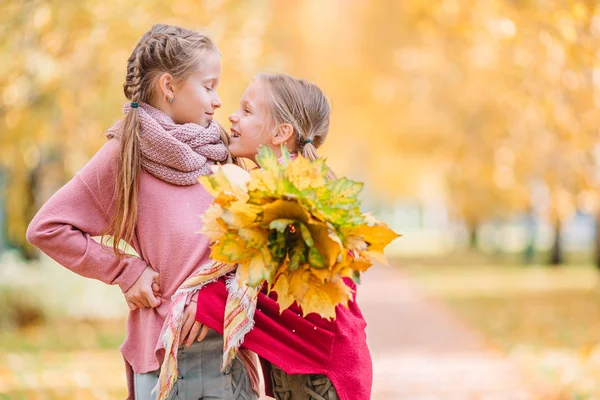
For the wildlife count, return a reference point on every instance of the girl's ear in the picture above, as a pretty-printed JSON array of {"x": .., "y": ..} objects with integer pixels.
[
  {"x": 165, "y": 86},
  {"x": 283, "y": 133}
]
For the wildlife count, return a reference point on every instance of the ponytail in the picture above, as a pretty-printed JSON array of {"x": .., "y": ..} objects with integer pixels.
[
  {"x": 303, "y": 105},
  {"x": 123, "y": 223},
  {"x": 309, "y": 151}
]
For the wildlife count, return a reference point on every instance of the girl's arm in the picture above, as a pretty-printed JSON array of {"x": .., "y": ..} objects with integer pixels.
[
  {"x": 64, "y": 226},
  {"x": 63, "y": 229}
]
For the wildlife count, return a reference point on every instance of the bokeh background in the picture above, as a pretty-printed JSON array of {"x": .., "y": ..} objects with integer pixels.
[{"x": 473, "y": 123}]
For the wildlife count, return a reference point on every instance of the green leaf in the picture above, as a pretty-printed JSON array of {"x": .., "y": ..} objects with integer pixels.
[
  {"x": 356, "y": 277},
  {"x": 255, "y": 238},
  {"x": 230, "y": 248},
  {"x": 320, "y": 166},
  {"x": 297, "y": 256},
  {"x": 306, "y": 236},
  {"x": 280, "y": 225},
  {"x": 277, "y": 245},
  {"x": 272, "y": 264},
  {"x": 258, "y": 271},
  {"x": 340, "y": 216},
  {"x": 344, "y": 188},
  {"x": 315, "y": 259},
  {"x": 259, "y": 197},
  {"x": 285, "y": 156},
  {"x": 285, "y": 188},
  {"x": 267, "y": 160}
]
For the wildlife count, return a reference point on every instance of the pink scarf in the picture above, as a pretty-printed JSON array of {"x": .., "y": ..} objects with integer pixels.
[{"x": 174, "y": 153}]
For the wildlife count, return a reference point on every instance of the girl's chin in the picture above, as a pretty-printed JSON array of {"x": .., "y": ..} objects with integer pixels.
[
  {"x": 235, "y": 153},
  {"x": 239, "y": 155}
]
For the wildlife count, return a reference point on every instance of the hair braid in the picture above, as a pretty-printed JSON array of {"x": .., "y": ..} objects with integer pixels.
[{"x": 163, "y": 49}]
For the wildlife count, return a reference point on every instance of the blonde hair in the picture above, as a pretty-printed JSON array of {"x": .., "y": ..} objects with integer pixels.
[
  {"x": 303, "y": 105},
  {"x": 164, "y": 48},
  {"x": 226, "y": 139}
]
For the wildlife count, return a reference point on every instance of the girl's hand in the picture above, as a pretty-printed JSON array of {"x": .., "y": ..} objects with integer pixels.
[
  {"x": 145, "y": 292},
  {"x": 191, "y": 327}
]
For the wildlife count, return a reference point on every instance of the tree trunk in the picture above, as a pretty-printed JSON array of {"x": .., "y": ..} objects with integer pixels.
[
  {"x": 597, "y": 241},
  {"x": 472, "y": 236},
  {"x": 530, "y": 226},
  {"x": 28, "y": 251},
  {"x": 3, "y": 223},
  {"x": 556, "y": 254}
]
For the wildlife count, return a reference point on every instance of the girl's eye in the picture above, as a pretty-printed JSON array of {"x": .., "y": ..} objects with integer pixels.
[
  {"x": 246, "y": 111},
  {"x": 209, "y": 89}
]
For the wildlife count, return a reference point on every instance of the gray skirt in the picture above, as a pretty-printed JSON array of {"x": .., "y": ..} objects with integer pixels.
[{"x": 200, "y": 375}]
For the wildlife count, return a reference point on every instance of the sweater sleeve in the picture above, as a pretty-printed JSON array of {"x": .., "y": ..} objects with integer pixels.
[{"x": 63, "y": 229}]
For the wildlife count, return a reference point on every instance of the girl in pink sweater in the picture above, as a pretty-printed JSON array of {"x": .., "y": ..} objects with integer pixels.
[{"x": 141, "y": 188}]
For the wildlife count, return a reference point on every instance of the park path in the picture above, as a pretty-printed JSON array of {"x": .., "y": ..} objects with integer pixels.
[{"x": 421, "y": 351}]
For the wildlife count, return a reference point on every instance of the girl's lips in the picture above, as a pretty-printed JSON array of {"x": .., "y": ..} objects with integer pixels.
[{"x": 234, "y": 133}]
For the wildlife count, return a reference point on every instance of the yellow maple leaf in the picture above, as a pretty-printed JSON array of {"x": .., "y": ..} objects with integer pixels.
[
  {"x": 284, "y": 209},
  {"x": 338, "y": 292},
  {"x": 282, "y": 288},
  {"x": 355, "y": 242},
  {"x": 322, "y": 274},
  {"x": 360, "y": 263},
  {"x": 243, "y": 273},
  {"x": 255, "y": 237},
  {"x": 377, "y": 236},
  {"x": 317, "y": 301},
  {"x": 212, "y": 225},
  {"x": 258, "y": 271},
  {"x": 240, "y": 214},
  {"x": 303, "y": 174},
  {"x": 299, "y": 281},
  {"x": 326, "y": 241},
  {"x": 376, "y": 255},
  {"x": 235, "y": 175},
  {"x": 231, "y": 249},
  {"x": 263, "y": 181}
]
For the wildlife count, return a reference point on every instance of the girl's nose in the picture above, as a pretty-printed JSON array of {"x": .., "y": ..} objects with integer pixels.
[
  {"x": 233, "y": 118},
  {"x": 217, "y": 102}
]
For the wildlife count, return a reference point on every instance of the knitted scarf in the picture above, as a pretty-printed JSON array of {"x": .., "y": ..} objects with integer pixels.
[
  {"x": 238, "y": 321},
  {"x": 174, "y": 153}
]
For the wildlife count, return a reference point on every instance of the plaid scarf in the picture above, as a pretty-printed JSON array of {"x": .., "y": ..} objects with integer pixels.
[{"x": 239, "y": 320}]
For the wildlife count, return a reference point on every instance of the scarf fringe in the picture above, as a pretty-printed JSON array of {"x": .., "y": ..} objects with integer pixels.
[
  {"x": 241, "y": 303},
  {"x": 239, "y": 320}
]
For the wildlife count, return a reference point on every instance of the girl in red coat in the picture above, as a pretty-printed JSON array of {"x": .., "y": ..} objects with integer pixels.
[{"x": 302, "y": 358}]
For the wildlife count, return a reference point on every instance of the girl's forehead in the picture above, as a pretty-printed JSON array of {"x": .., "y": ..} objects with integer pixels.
[
  {"x": 255, "y": 93},
  {"x": 209, "y": 66}
]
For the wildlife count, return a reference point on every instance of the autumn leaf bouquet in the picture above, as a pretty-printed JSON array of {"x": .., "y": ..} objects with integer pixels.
[{"x": 285, "y": 225}]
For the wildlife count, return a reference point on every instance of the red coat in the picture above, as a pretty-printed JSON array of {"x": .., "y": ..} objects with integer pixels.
[{"x": 310, "y": 345}]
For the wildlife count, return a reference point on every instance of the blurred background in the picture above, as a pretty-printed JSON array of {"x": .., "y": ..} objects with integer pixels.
[{"x": 473, "y": 123}]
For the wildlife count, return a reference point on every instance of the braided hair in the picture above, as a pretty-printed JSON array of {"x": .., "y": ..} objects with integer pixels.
[{"x": 163, "y": 49}]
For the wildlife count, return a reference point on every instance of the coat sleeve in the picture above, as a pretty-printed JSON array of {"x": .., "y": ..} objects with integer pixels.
[{"x": 63, "y": 228}]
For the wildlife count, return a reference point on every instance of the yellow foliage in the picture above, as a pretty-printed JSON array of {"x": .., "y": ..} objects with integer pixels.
[{"x": 289, "y": 232}]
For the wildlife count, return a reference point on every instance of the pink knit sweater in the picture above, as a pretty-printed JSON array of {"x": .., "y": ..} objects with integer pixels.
[{"x": 165, "y": 239}]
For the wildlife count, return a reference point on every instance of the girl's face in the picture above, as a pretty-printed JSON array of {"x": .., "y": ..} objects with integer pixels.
[
  {"x": 251, "y": 124},
  {"x": 195, "y": 99}
]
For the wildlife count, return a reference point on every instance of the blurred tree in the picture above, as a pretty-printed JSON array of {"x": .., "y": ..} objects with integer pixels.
[{"x": 488, "y": 99}]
